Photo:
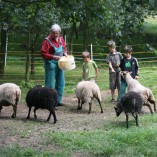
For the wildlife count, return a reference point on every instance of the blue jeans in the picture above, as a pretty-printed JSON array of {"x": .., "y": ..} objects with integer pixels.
[
  {"x": 122, "y": 89},
  {"x": 54, "y": 78}
]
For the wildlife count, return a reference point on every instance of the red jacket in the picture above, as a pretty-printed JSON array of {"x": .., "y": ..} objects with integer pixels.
[{"x": 47, "y": 50}]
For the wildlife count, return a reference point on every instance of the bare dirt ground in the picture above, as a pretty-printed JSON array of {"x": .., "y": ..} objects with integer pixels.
[{"x": 27, "y": 133}]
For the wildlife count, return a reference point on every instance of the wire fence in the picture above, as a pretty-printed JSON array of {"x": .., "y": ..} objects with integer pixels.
[{"x": 15, "y": 66}]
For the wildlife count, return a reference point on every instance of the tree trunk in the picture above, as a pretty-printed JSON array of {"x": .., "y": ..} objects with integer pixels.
[
  {"x": 32, "y": 64},
  {"x": 71, "y": 38},
  {"x": 3, "y": 49},
  {"x": 85, "y": 25},
  {"x": 27, "y": 60}
]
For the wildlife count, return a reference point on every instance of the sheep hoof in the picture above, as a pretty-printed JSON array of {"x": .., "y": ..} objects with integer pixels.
[
  {"x": 12, "y": 116},
  {"x": 54, "y": 122},
  {"x": 79, "y": 108},
  {"x": 27, "y": 117},
  {"x": 102, "y": 111}
]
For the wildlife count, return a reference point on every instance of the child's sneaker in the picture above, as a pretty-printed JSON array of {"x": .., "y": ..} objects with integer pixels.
[{"x": 113, "y": 101}]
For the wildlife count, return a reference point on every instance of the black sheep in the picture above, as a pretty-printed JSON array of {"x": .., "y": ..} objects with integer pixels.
[
  {"x": 131, "y": 102},
  {"x": 43, "y": 98}
]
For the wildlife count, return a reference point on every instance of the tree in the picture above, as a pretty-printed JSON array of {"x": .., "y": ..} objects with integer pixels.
[{"x": 31, "y": 20}]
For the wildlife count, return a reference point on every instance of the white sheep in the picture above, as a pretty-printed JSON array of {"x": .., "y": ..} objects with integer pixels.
[
  {"x": 85, "y": 92},
  {"x": 10, "y": 94},
  {"x": 146, "y": 93}
]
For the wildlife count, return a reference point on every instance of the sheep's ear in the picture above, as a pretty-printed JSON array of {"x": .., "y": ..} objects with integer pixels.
[{"x": 121, "y": 73}]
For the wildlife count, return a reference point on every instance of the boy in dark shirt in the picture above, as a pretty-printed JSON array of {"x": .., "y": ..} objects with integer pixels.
[
  {"x": 113, "y": 59},
  {"x": 130, "y": 64}
]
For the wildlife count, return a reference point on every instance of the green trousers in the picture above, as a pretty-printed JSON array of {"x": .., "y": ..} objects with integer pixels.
[
  {"x": 54, "y": 78},
  {"x": 123, "y": 87}
]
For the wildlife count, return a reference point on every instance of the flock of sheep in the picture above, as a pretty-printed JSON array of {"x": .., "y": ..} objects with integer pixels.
[{"x": 46, "y": 98}]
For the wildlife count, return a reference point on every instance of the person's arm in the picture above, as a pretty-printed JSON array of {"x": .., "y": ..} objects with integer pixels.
[
  {"x": 64, "y": 47},
  {"x": 96, "y": 73},
  {"x": 136, "y": 69},
  {"x": 45, "y": 51},
  {"x": 109, "y": 62},
  {"x": 83, "y": 76},
  {"x": 83, "y": 72},
  {"x": 111, "y": 68}
]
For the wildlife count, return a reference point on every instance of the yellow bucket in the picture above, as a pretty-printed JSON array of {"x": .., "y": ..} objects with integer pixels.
[{"x": 67, "y": 63}]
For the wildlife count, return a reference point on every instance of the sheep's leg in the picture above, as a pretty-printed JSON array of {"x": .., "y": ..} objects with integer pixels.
[
  {"x": 82, "y": 104},
  {"x": 154, "y": 105},
  {"x": 153, "y": 102},
  {"x": 35, "y": 116},
  {"x": 149, "y": 106},
  {"x": 127, "y": 120},
  {"x": 54, "y": 116},
  {"x": 136, "y": 118},
  {"x": 14, "y": 111},
  {"x": 79, "y": 107},
  {"x": 1, "y": 108},
  {"x": 90, "y": 106},
  {"x": 29, "y": 113},
  {"x": 49, "y": 116},
  {"x": 100, "y": 105}
]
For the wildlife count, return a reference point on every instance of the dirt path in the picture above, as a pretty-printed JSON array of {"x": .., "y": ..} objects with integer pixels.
[{"x": 27, "y": 133}]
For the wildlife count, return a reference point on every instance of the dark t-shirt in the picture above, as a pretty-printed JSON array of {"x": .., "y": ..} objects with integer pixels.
[{"x": 130, "y": 65}]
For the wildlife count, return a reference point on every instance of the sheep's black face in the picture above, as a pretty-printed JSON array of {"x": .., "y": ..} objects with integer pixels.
[{"x": 118, "y": 110}]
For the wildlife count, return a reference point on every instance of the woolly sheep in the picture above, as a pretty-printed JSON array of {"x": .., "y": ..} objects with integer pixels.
[
  {"x": 131, "y": 102},
  {"x": 43, "y": 98},
  {"x": 10, "y": 95},
  {"x": 85, "y": 92},
  {"x": 146, "y": 93}
]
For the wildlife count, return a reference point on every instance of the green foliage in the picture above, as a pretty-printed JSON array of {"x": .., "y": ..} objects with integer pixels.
[{"x": 31, "y": 84}]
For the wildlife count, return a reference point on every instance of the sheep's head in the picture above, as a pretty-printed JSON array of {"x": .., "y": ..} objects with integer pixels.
[
  {"x": 124, "y": 74},
  {"x": 118, "y": 109},
  {"x": 37, "y": 86}
]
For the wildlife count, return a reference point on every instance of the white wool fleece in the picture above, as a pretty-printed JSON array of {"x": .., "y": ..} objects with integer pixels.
[
  {"x": 9, "y": 92},
  {"x": 87, "y": 90}
]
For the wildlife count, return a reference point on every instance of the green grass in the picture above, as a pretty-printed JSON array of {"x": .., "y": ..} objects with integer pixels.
[{"x": 113, "y": 139}]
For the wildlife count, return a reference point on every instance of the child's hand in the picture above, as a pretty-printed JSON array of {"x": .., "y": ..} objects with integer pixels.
[
  {"x": 136, "y": 77},
  {"x": 112, "y": 70}
]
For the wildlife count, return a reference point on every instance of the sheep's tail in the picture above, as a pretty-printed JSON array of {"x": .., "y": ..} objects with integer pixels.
[{"x": 17, "y": 97}]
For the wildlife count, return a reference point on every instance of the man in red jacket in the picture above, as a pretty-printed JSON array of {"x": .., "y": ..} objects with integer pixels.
[{"x": 53, "y": 48}]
